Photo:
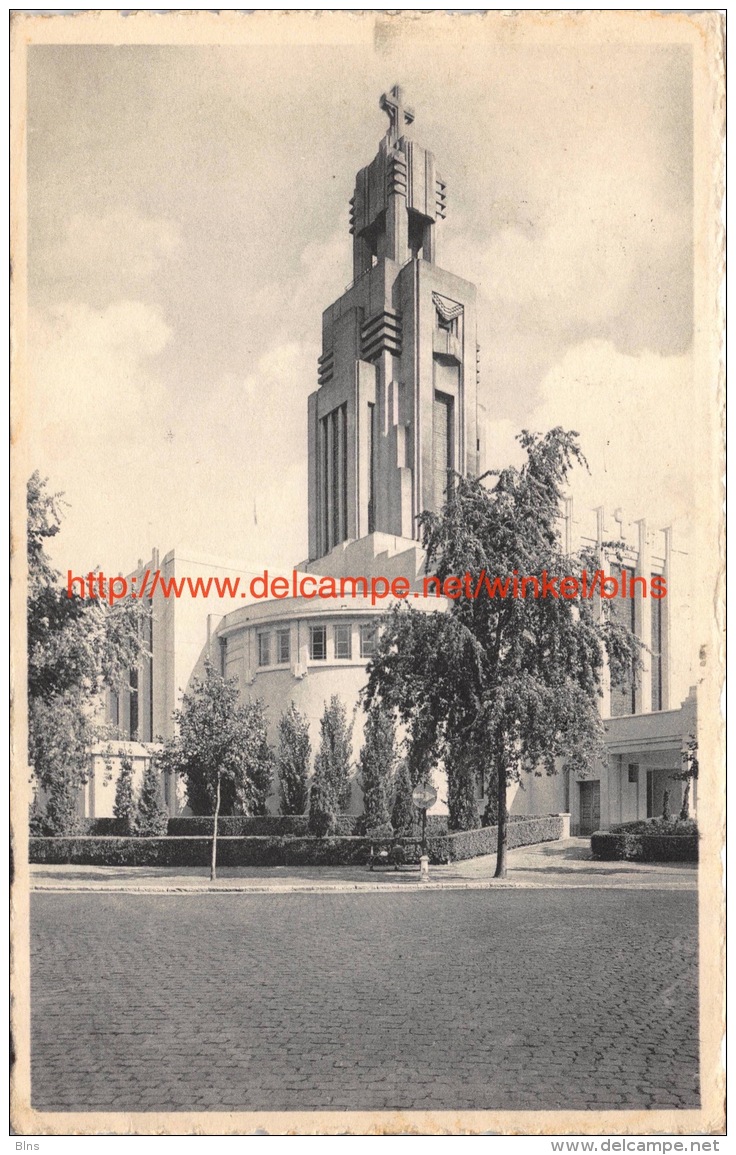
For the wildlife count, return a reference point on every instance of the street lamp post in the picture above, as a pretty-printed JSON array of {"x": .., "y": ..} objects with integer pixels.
[{"x": 423, "y": 797}]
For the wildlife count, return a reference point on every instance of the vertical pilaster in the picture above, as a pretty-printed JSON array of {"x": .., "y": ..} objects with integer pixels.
[
  {"x": 605, "y": 796},
  {"x": 313, "y": 501},
  {"x": 605, "y": 701},
  {"x": 362, "y": 257},
  {"x": 397, "y": 229},
  {"x": 643, "y": 608},
  {"x": 91, "y": 812}
]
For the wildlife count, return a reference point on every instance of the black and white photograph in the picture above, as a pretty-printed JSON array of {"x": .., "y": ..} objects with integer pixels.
[{"x": 368, "y": 769}]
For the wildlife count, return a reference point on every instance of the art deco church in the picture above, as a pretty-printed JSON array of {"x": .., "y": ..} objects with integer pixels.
[
  {"x": 397, "y": 404},
  {"x": 396, "y": 411}
]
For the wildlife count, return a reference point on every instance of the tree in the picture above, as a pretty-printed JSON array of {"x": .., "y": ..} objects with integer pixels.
[
  {"x": 152, "y": 816},
  {"x": 322, "y": 814},
  {"x": 689, "y": 774},
  {"x": 462, "y": 778},
  {"x": 77, "y": 647},
  {"x": 60, "y": 732},
  {"x": 253, "y": 796},
  {"x": 293, "y": 761},
  {"x": 377, "y": 762},
  {"x": 78, "y": 644},
  {"x": 512, "y": 681},
  {"x": 62, "y": 806},
  {"x": 36, "y": 818},
  {"x": 332, "y": 764},
  {"x": 402, "y": 814},
  {"x": 420, "y": 744},
  {"x": 124, "y": 804},
  {"x": 221, "y": 751}
]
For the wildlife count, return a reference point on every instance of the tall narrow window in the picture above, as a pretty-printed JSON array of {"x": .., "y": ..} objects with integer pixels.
[
  {"x": 323, "y": 486},
  {"x": 442, "y": 447},
  {"x": 656, "y": 648},
  {"x": 336, "y": 471},
  {"x": 283, "y": 646},
  {"x": 318, "y": 643},
  {"x": 333, "y": 438},
  {"x": 623, "y": 698},
  {"x": 368, "y": 640},
  {"x": 264, "y": 649},
  {"x": 343, "y": 641}
]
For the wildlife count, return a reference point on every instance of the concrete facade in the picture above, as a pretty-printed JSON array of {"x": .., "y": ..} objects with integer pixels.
[{"x": 644, "y": 755}]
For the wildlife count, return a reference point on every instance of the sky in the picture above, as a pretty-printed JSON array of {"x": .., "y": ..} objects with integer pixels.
[{"x": 188, "y": 224}]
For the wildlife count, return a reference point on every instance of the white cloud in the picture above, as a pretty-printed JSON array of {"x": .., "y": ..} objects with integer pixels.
[
  {"x": 88, "y": 377},
  {"x": 607, "y": 249},
  {"x": 95, "y": 405},
  {"x": 120, "y": 247},
  {"x": 140, "y": 466},
  {"x": 640, "y": 430}
]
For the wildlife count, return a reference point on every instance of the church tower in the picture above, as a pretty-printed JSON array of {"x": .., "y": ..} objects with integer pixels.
[{"x": 397, "y": 405}]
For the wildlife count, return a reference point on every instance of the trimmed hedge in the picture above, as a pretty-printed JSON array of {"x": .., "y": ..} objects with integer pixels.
[
  {"x": 246, "y": 826},
  {"x": 196, "y": 851},
  {"x": 258, "y": 826},
  {"x": 106, "y": 827},
  {"x": 521, "y": 832},
  {"x": 274, "y": 825},
  {"x": 631, "y": 846},
  {"x": 670, "y": 828},
  {"x": 281, "y": 850}
]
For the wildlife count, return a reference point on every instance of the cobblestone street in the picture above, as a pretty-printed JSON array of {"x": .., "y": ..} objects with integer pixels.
[{"x": 533, "y": 999}]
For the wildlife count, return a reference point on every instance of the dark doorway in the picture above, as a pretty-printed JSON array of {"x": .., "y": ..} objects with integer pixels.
[{"x": 590, "y": 807}]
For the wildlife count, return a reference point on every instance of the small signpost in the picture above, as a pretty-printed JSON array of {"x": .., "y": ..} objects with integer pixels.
[{"x": 423, "y": 797}]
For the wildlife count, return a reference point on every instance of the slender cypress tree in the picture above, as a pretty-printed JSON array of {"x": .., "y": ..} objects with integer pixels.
[
  {"x": 403, "y": 815},
  {"x": 124, "y": 804},
  {"x": 153, "y": 818},
  {"x": 377, "y": 762},
  {"x": 292, "y": 760},
  {"x": 332, "y": 764}
]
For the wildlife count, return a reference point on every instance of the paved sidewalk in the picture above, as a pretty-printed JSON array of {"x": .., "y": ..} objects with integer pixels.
[{"x": 563, "y": 864}]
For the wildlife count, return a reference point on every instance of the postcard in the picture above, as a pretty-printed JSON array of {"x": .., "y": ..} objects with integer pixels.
[{"x": 368, "y": 600}]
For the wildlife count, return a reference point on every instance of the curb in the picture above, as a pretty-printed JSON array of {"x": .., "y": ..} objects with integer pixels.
[
  {"x": 278, "y": 888},
  {"x": 344, "y": 888}
]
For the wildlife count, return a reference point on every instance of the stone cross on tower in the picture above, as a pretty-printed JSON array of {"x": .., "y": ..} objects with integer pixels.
[{"x": 401, "y": 116}]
